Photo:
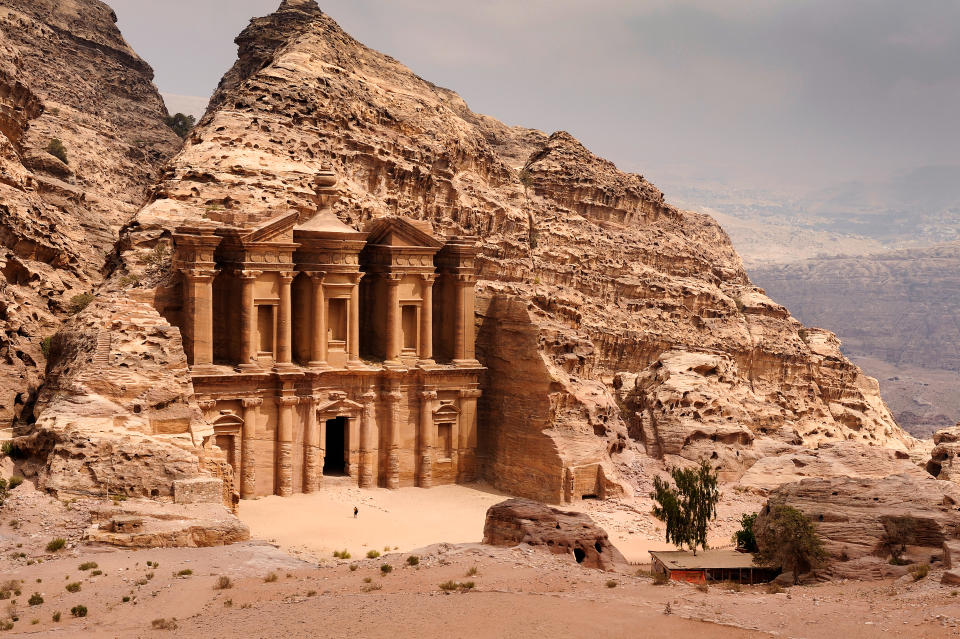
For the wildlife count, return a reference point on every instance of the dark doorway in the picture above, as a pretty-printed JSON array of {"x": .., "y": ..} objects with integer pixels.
[{"x": 334, "y": 461}]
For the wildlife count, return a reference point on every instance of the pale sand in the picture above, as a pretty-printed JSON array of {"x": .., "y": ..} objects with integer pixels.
[{"x": 317, "y": 524}]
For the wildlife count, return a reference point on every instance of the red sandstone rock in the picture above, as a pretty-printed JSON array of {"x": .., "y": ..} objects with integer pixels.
[{"x": 523, "y": 521}]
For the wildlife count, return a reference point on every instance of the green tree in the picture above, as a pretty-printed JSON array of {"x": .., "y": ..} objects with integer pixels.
[
  {"x": 787, "y": 538},
  {"x": 744, "y": 538},
  {"x": 57, "y": 150},
  {"x": 897, "y": 533},
  {"x": 180, "y": 123},
  {"x": 688, "y": 507}
]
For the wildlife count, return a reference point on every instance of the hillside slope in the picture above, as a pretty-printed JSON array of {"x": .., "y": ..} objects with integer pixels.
[{"x": 66, "y": 73}]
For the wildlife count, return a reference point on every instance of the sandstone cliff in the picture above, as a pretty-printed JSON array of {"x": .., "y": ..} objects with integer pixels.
[
  {"x": 65, "y": 73},
  {"x": 612, "y": 324}
]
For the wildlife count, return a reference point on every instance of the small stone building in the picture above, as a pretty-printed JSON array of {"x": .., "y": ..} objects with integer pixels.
[
  {"x": 719, "y": 564},
  {"x": 318, "y": 350}
]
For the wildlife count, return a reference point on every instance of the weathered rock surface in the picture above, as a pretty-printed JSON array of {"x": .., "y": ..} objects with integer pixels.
[
  {"x": 589, "y": 282},
  {"x": 156, "y": 525},
  {"x": 944, "y": 462},
  {"x": 849, "y": 514},
  {"x": 951, "y": 554},
  {"x": 523, "y": 521},
  {"x": 65, "y": 73}
]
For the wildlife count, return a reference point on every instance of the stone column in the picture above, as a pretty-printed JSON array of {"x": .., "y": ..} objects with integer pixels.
[
  {"x": 199, "y": 299},
  {"x": 248, "y": 467},
  {"x": 248, "y": 319},
  {"x": 425, "y": 454},
  {"x": 368, "y": 453},
  {"x": 393, "y": 316},
  {"x": 467, "y": 435},
  {"x": 469, "y": 321},
  {"x": 458, "y": 320},
  {"x": 284, "y": 324},
  {"x": 285, "y": 446},
  {"x": 426, "y": 320},
  {"x": 463, "y": 335},
  {"x": 318, "y": 325},
  {"x": 312, "y": 469},
  {"x": 392, "y": 398},
  {"x": 353, "y": 323}
]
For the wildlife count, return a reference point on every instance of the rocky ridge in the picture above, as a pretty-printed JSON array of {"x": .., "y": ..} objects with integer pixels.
[
  {"x": 612, "y": 324},
  {"x": 65, "y": 73}
]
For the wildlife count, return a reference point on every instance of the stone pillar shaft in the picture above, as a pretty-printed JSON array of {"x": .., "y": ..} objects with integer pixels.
[
  {"x": 285, "y": 446},
  {"x": 353, "y": 323},
  {"x": 393, "y": 455},
  {"x": 393, "y": 317},
  {"x": 284, "y": 324},
  {"x": 318, "y": 327},
  {"x": 426, "y": 319},
  {"x": 467, "y": 436},
  {"x": 459, "y": 351},
  {"x": 248, "y": 319},
  {"x": 248, "y": 468},
  {"x": 312, "y": 470},
  {"x": 368, "y": 453},
  {"x": 199, "y": 293},
  {"x": 425, "y": 454}
]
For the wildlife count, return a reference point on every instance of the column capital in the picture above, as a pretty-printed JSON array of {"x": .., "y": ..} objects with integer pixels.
[
  {"x": 428, "y": 395},
  {"x": 199, "y": 274},
  {"x": 356, "y": 277},
  {"x": 286, "y": 277},
  {"x": 287, "y": 401},
  {"x": 471, "y": 392},
  {"x": 251, "y": 402},
  {"x": 463, "y": 279},
  {"x": 316, "y": 276},
  {"x": 206, "y": 404},
  {"x": 393, "y": 279},
  {"x": 428, "y": 277},
  {"x": 368, "y": 398},
  {"x": 247, "y": 274},
  {"x": 392, "y": 395}
]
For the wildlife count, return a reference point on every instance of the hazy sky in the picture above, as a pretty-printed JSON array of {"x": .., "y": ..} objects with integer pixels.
[{"x": 774, "y": 93}]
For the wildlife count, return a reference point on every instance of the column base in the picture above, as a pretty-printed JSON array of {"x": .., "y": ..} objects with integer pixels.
[
  {"x": 427, "y": 363},
  {"x": 249, "y": 368},
  {"x": 285, "y": 367},
  {"x": 204, "y": 369},
  {"x": 319, "y": 366},
  {"x": 355, "y": 364},
  {"x": 466, "y": 363}
]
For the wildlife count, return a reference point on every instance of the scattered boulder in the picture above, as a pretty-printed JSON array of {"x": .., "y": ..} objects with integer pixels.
[
  {"x": 523, "y": 521},
  {"x": 951, "y": 577},
  {"x": 951, "y": 553},
  {"x": 145, "y": 523}
]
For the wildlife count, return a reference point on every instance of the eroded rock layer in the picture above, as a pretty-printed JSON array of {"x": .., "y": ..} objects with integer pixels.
[
  {"x": 607, "y": 318},
  {"x": 65, "y": 74}
]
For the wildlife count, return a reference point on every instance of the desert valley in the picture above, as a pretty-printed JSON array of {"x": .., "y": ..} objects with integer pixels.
[{"x": 345, "y": 357}]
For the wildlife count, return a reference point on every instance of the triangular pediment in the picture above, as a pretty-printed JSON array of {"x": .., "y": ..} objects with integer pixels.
[
  {"x": 340, "y": 407},
  {"x": 277, "y": 230},
  {"x": 401, "y": 231}
]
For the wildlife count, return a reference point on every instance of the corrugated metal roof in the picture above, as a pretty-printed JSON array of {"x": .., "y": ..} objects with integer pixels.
[{"x": 705, "y": 559}]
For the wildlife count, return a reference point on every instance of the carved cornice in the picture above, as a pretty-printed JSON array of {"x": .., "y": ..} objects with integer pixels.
[{"x": 471, "y": 393}]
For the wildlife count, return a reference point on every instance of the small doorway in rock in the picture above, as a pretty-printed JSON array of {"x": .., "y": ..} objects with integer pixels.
[{"x": 334, "y": 461}]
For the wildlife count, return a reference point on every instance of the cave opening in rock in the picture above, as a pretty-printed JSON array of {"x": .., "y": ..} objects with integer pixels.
[
  {"x": 334, "y": 461},
  {"x": 579, "y": 555}
]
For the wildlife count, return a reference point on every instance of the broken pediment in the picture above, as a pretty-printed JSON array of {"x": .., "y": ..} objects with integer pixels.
[{"x": 401, "y": 232}]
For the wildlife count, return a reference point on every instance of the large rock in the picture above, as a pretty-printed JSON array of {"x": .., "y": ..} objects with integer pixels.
[
  {"x": 587, "y": 276},
  {"x": 850, "y": 514},
  {"x": 951, "y": 553},
  {"x": 523, "y": 521},
  {"x": 944, "y": 462}
]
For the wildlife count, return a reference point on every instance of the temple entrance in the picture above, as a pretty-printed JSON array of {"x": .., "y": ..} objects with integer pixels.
[{"x": 334, "y": 461}]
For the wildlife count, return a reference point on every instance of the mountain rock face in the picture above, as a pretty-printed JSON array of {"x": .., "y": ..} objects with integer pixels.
[
  {"x": 66, "y": 74},
  {"x": 897, "y": 310},
  {"x": 612, "y": 325}
]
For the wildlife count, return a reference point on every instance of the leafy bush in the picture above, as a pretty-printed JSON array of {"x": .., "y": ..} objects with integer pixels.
[
  {"x": 897, "y": 533},
  {"x": 56, "y": 149},
  {"x": 79, "y": 302},
  {"x": 79, "y": 611},
  {"x": 611, "y": 583},
  {"x": 744, "y": 537},
  {"x": 73, "y": 587},
  {"x": 386, "y": 569},
  {"x": 35, "y": 599},
  {"x": 14, "y": 482},
  {"x": 372, "y": 554},
  {"x": 413, "y": 560},
  {"x": 56, "y": 617},
  {"x": 56, "y": 544},
  {"x": 342, "y": 554},
  {"x": 272, "y": 577},
  {"x": 473, "y": 572},
  {"x": 787, "y": 538},
  {"x": 462, "y": 586},
  {"x": 96, "y": 573},
  {"x": 223, "y": 583},
  {"x": 45, "y": 346},
  {"x": 919, "y": 571},
  {"x": 180, "y": 123},
  {"x": 353, "y": 567},
  {"x": 88, "y": 565},
  {"x": 164, "y": 624},
  {"x": 186, "y": 572}
]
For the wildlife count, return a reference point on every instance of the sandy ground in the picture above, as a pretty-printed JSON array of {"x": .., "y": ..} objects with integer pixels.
[
  {"x": 315, "y": 525},
  {"x": 516, "y": 592}
]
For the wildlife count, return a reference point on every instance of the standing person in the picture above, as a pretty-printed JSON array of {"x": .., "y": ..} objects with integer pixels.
[{"x": 355, "y": 511}]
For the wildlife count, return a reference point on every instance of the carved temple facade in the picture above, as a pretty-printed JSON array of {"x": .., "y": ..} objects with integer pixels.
[{"x": 318, "y": 350}]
